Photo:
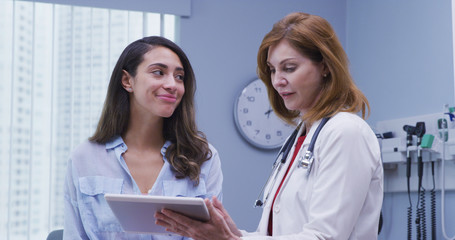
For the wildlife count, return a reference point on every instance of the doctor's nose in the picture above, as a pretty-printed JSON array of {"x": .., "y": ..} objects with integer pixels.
[{"x": 278, "y": 80}]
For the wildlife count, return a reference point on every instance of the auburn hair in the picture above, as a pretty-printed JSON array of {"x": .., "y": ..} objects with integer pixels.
[{"x": 314, "y": 38}]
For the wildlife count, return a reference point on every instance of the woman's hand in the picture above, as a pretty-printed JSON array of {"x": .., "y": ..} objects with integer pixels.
[
  {"x": 220, "y": 226},
  {"x": 217, "y": 204}
]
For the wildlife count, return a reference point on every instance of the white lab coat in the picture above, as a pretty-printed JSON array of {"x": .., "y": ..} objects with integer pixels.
[{"x": 342, "y": 196}]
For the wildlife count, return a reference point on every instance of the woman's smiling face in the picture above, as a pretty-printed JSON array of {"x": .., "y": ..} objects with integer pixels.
[{"x": 158, "y": 86}]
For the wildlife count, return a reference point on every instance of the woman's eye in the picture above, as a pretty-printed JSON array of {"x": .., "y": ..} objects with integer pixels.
[
  {"x": 289, "y": 69},
  {"x": 272, "y": 70},
  {"x": 180, "y": 77},
  {"x": 158, "y": 72}
]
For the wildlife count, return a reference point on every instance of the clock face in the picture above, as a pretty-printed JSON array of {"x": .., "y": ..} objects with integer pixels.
[{"x": 256, "y": 119}]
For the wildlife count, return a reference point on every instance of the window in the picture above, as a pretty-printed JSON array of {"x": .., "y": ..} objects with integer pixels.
[
  {"x": 55, "y": 66},
  {"x": 453, "y": 38}
]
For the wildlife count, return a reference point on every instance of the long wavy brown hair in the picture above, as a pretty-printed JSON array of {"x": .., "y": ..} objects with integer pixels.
[
  {"x": 314, "y": 38},
  {"x": 189, "y": 147}
]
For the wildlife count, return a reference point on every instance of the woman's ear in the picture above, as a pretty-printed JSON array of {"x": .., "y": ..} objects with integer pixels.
[
  {"x": 126, "y": 81},
  {"x": 325, "y": 70}
]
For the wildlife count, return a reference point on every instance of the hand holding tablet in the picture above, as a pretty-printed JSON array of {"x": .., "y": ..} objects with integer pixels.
[{"x": 136, "y": 213}]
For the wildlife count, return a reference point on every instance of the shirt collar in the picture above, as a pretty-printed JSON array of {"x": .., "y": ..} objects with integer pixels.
[
  {"x": 115, "y": 142},
  {"x": 164, "y": 149},
  {"x": 118, "y": 141}
]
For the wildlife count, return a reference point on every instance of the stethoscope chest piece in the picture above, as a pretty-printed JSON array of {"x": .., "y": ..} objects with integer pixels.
[{"x": 306, "y": 161}]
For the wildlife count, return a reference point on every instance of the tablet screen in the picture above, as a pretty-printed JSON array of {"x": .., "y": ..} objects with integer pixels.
[{"x": 136, "y": 213}]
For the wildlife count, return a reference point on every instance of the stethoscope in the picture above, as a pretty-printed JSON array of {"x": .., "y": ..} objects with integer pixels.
[{"x": 305, "y": 162}]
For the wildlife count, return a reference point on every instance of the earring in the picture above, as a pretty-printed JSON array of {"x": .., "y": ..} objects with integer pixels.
[
  {"x": 129, "y": 89},
  {"x": 325, "y": 75}
]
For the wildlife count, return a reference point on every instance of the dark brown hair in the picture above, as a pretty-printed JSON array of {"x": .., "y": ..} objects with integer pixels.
[
  {"x": 189, "y": 147},
  {"x": 314, "y": 38}
]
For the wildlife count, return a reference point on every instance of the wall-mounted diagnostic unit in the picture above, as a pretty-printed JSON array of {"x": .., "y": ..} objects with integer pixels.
[{"x": 418, "y": 154}]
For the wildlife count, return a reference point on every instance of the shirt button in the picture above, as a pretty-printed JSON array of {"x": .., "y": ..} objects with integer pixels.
[{"x": 276, "y": 208}]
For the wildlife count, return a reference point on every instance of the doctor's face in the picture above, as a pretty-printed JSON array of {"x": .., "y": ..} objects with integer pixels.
[
  {"x": 158, "y": 86},
  {"x": 296, "y": 78}
]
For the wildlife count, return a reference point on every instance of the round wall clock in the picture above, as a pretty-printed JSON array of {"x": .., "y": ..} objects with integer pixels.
[{"x": 256, "y": 120}]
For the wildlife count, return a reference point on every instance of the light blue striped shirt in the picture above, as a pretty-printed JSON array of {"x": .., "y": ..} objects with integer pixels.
[{"x": 95, "y": 169}]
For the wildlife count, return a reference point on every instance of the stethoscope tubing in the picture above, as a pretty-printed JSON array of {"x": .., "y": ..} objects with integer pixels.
[
  {"x": 279, "y": 161},
  {"x": 305, "y": 162}
]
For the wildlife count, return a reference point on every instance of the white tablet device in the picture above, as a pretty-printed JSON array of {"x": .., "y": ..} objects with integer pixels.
[{"x": 136, "y": 213}]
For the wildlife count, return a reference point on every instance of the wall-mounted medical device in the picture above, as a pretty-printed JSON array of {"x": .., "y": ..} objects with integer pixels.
[
  {"x": 417, "y": 152},
  {"x": 400, "y": 148},
  {"x": 396, "y": 148}
]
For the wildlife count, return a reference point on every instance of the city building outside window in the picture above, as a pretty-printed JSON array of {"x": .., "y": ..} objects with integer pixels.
[{"x": 55, "y": 65}]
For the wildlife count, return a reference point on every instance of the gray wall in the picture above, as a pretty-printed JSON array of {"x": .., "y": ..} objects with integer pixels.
[
  {"x": 401, "y": 55},
  {"x": 401, "y": 58},
  {"x": 221, "y": 39}
]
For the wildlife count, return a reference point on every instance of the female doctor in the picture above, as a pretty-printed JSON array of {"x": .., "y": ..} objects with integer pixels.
[{"x": 338, "y": 193}]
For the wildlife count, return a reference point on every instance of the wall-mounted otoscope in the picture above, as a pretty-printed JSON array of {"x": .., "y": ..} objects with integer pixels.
[
  {"x": 420, "y": 218},
  {"x": 419, "y": 132},
  {"x": 410, "y": 130}
]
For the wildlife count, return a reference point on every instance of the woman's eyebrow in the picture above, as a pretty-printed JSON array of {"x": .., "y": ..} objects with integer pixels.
[
  {"x": 165, "y": 66},
  {"x": 158, "y": 64},
  {"x": 281, "y": 62}
]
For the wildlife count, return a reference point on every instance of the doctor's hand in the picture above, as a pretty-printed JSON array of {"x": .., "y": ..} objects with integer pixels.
[
  {"x": 220, "y": 226},
  {"x": 217, "y": 204}
]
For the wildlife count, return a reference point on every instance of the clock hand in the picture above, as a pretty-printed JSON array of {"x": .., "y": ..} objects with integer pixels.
[{"x": 268, "y": 112}]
